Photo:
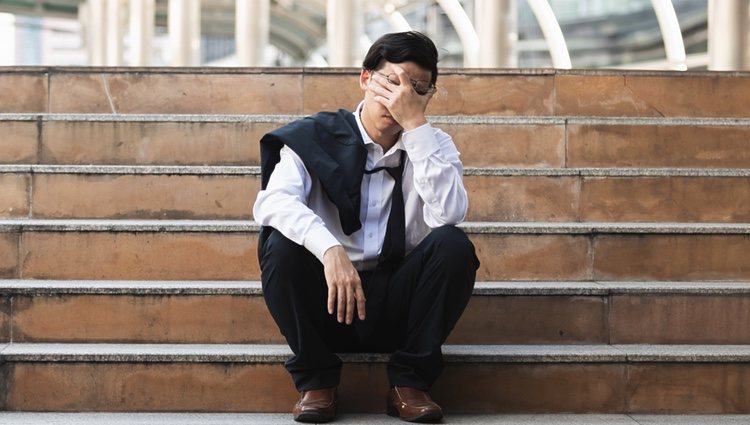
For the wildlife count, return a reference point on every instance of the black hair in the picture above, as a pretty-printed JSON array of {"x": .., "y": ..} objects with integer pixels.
[{"x": 398, "y": 47}]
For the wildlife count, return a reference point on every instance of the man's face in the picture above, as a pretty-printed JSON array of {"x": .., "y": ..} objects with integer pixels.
[{"x": 375, "y": 116}]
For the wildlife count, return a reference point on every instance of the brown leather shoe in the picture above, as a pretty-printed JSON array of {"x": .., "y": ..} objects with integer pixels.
[
  {"x": 316, "y": 406},
  {"x": 413, "y": 405}
]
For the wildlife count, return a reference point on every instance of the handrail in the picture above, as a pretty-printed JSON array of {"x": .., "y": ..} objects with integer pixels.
[
  {"x": 395, "y": 18},
  {"x": 671, "y": 33},
  {"x": 465, "y": 30},
  {"x": 552, "y": 33}
]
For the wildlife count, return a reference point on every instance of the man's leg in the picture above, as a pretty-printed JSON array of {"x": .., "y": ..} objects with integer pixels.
[
  {"x": 295, "y": 291},
  {"x": 426, "y": 297}
]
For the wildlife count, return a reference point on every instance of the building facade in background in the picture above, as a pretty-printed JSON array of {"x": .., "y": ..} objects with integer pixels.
[{"x": 595, "y": 33}]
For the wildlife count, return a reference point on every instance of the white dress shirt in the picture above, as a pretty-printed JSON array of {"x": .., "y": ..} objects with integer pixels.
[{"x": 296, "y": 205}]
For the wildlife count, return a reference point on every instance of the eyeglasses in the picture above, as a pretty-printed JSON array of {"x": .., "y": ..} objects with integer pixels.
[{"x": 420, "y": 86}]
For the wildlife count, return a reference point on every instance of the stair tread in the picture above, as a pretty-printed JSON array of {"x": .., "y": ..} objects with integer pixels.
[
  {"x": 130, "y": 225},
  {"x": 468, "y": 171},
  {"x": 276, "y": 353},
  {"x": 253, "y": 287},
  {"x": 435, "y": 119}
]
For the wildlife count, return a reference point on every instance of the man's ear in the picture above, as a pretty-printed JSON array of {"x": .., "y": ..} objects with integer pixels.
[{"x": 364, "y": 79}]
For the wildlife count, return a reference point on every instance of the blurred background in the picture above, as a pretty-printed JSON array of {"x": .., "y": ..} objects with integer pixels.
[{"x": 633, "y": 34}]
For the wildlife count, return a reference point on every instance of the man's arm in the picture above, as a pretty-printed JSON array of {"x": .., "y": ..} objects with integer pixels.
[
  {"x": 283, "y": 206},
  {"x": 438, "y": 175},
  {"x": 438, "y": 172}
]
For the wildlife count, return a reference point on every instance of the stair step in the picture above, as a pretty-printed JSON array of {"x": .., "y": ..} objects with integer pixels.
[
  {"x": 484, "y": 141},
  {"x": 226, "y": 250},
  {"x": 498, "y": 313},
  {"x": 277, "y": 353},
  {"x": 478, "y": 379},
  {"x": 483, "y": 288},
  {"x": 288, "y": 91},
  {"x": 294, "y": 91},
  {"x": 517, "y": 194},
  {"x": 252, "y": 170},
  {"x": 244, "y": 226},
  {"x": 59, "y": 418}
]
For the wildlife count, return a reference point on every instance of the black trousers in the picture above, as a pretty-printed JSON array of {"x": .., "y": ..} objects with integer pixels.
[{"x": 410, "y": 311}]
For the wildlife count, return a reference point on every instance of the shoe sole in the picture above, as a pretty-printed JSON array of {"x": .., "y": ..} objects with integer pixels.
[
  {"x": 313, "y": 418},
  {"x": 430, "y": 417}
]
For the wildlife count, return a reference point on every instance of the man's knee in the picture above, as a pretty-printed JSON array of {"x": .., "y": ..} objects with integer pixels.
[
  {"x": 451, "y": 244},
  {"x": 278, "y": 250},
  {"x": 284, "y": 263}
]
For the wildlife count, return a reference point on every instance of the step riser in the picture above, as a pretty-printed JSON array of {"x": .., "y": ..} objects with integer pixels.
[
  {"x": 187, "y": 143},
  {"x": 594, "y": 199},
  {"x": 169, "y": 319},
  {"x": 8, "y": 254},
  {"x": 656, "y": 146},
  {"x": 151, "y": 143},
  {"x": 19, "y": 142},
  {"x": 5, "y": 319},
  {"x": 134, "y": 93},
  {"x": 681, "y": 319},
  {"x": 24, "y": 92},
  {"x": 613, "y": 257},
  {"x": 492, "y": 198},
  {"x": 477, "y": 388},
  {"x": 277, "y": 93},
  {"x": 619, "y": 319},
  {"x": 233, "y": 256},
  {"x": 245, "y": 319},
  {"x": 14, "y": 191},
  {"x": 481, "y": 145},
  {"x": 137, "y": 196},
  {"x": 651, "y": 95},
  {"x": 151, "y": 256},
  {"x": 562, "y": 93}
]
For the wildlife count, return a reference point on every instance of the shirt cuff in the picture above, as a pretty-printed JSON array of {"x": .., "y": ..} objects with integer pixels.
[
  {"x": 420, "y": 142},
  {"x": 318, "y": 240}
]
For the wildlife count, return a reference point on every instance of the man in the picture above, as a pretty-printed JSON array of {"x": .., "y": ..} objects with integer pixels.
[{"x": 359, "y": 251}]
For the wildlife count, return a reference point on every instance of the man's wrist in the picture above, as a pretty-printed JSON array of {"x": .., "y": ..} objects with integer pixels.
[
  {"x": 414, "y": 124},
  {"x": 318, "y": 240},
  {"x": 332, "y": 250},
  {"x": 420, "y": 142}
]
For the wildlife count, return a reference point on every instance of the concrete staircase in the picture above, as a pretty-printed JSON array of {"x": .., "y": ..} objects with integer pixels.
[{"x": 609, "y": 210}]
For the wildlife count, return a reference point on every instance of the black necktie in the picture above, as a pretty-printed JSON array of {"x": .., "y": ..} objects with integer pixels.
[{"x": 394, "y": 243}]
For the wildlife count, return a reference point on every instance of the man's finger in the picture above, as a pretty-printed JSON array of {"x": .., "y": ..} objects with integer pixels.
[
  {"x": 379, "y": 90},
  {"x": 349, "y": 305},
  {"x": 383, "y": 101},
  {"x": 378, "y": 80},
  {"x": 331, "y": 298},
  {"x": 404, "y": 80},
  {"x": 359, "y": 294},
  {"x": 341, "y": 307}
]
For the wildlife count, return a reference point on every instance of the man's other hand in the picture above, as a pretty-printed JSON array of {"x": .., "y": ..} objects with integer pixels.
[{"x": 344, "y": 287}]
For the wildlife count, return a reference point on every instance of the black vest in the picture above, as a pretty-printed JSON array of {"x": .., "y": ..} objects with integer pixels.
[{"x": 331, "y": 147}]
